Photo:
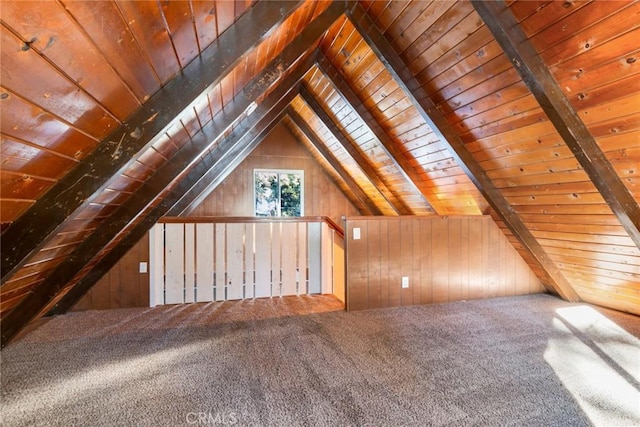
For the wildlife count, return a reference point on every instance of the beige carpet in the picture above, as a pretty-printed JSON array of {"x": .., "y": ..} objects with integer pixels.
[{"x": 533, "y": 360}]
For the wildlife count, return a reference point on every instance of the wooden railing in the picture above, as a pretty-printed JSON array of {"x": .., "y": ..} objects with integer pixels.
[{"x": 226, "y": 258}]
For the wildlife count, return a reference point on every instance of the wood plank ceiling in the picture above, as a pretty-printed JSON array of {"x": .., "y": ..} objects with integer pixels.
[{"x": 115, "y": 113}]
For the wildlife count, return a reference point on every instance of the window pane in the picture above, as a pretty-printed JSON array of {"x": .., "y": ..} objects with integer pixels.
[
  {"x": 266, "y": 193},
  {"x": 290, "y": 194}
]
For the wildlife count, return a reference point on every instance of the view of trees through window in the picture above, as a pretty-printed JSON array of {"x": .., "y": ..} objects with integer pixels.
[{"x": 278, "y": 193}]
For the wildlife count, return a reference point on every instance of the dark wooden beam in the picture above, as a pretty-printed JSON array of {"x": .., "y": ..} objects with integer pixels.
[
  {"x": 522, "y": 54},
  {"x": 396, "y": 203},
  {"x": 232, "y": 150},
  {"x": 201, "y": 189},
  {"x": 552, "y": 276},
  {"x": 355, "y": 189},
  {"x": 381, "y": 137},
  {"x": 124, "y": 145},
  {"x": 208, "y": 181}
]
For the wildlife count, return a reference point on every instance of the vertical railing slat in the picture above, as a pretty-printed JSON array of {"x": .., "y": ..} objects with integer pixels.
[{"x": 204, "y": 262}]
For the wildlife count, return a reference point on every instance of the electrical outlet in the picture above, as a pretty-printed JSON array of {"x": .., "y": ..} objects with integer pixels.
[{"x": 405, "y": 282}]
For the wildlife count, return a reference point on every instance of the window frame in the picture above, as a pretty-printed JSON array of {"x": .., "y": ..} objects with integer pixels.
[{"x": 277, "y": 172}]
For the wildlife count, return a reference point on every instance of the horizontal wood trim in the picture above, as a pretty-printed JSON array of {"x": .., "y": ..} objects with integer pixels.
[{"x": 249, "y": 220}]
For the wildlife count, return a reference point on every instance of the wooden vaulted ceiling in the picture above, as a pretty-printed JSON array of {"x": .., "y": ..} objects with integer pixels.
[{"x": 117, "y": 113}]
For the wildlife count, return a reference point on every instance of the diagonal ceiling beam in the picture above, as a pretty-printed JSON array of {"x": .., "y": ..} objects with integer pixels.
[
  {"x": 396, "y": 204},
  {"x": 357, "y": 192},
  {"x": 381, "y": 137},
  {"x": 123, "y": 146},
  {"x": 192, "y": 196},
  {"x": 504, "y": 27},
  {"x": 552, "y": 277},
  {"x": 231, "y": 151}
]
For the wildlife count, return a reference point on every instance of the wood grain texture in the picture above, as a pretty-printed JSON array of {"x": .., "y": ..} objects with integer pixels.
[
  {"x": 279, "y": 150},
  {"x": 445, "y": 258},
  {"x": 123, "y": 286}
]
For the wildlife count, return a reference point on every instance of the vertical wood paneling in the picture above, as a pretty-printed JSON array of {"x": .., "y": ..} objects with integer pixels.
[
  {"x": 406, "y": 262},
  {"x": 338, "y": 268},
  {"x": 425, "y": 260},
  {"x": 446, "y": 259},
  {"x": 373, "y": 254},
  {"x": 394, "y": 246},
  {"x": 357, "y": 266}
]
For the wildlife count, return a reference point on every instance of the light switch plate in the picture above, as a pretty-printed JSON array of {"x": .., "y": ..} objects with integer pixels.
[
  {"x": 143, "y": 267},
  {"x": 405, "y": 282},
  {"x": 356, "y": 233}
]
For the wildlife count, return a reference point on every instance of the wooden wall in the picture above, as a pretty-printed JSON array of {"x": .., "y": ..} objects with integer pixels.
[
  {"x": 279, "y": 150},
  {"x": 124, "y": 287},
  {"x": 446, "y": 259}
]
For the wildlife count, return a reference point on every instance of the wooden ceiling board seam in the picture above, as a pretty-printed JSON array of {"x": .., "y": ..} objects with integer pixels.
[
  {"x": 39, "y": 111},
  {"x": 449, "y": 41},
  {"x": 178, "y": 22},
  {"x": 584, "y": 18},
  {"x": 454, "y": 19},
  {"x": 445, "y": 69},
  {"x": 545, "y": 17},
  {"x": 59, "y": 45},
  {"x": 31, "y": 145},
  {"x": 135, "y": 93},
  {"x": 467, "y": 75},
  {"x": 204, "y": 18},
  {"x": 144, "y": 22},
  {"x": 407, "y": 33},
  {"x": 389, "y": 14},
  {"x": 595, "y": 54},
  {"x": 523, "y": 9}
]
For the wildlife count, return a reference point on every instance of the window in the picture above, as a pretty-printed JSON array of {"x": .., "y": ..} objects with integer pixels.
[{"x": 278, "y": 192}]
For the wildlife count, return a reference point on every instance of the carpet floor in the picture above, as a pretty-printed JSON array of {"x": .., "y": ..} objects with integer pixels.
[{"x": 302, "y": 361}]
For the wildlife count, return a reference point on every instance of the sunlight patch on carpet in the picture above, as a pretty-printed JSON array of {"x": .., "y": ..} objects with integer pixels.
[{"x": 598, "y": 362}]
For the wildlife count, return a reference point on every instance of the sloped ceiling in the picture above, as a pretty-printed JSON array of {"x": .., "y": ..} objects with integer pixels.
[{"x": 117, "y": 113}]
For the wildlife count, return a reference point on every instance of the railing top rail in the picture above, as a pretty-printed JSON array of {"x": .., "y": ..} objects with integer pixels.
[{"x": 250, "y": 219}]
